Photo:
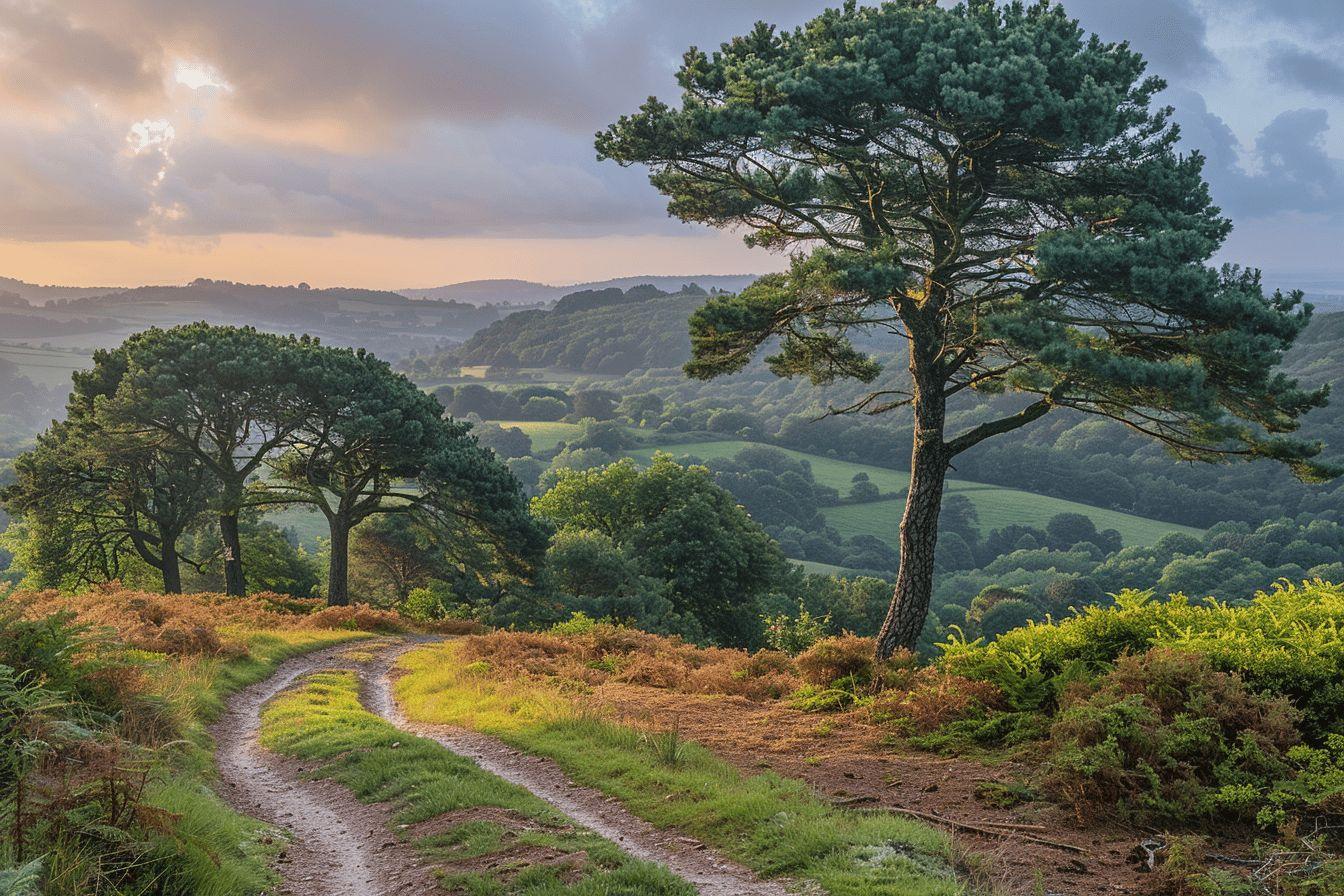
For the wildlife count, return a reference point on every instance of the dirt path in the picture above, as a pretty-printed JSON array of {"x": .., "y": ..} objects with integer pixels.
[
  {"x": 685, "y": 857},
  {"x": 342, "y": 847}
]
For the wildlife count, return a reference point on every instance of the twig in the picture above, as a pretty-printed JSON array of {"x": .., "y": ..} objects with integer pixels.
[{"x": 1014, "y": 831}]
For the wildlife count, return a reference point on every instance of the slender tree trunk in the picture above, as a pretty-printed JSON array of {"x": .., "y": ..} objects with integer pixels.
[
  {"x": 171, "y": 567},
  {"x": 234, "y": 583},
  {"x": 919, "y": 525},
  {"x": 338, "y": 572}
]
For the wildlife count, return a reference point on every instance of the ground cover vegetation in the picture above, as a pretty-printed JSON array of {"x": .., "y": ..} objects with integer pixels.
[
  {"x": 104, "y": 756},
  {"x": 1163, "y": 713},
  {"x": 525, "y": 847},
  {"x": 773, "y": 825}
]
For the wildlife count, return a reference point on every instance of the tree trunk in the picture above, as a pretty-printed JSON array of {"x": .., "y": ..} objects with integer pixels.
[
  {"x": 919, "y": 525},
  {"x": 234, "y": 583},
  {"x": 338, "y": 572},
  {"x": 171, "y": 567}
]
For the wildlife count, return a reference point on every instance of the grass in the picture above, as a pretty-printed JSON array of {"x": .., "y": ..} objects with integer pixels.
[
  {"x": 216, "y": 851},
  {"x": 543, "y": 855},
  {"x": 308, "y": 525},
  {"x": 818, "y": 568},
  {"x": 545, "y": 436},
  {"x": 995, "y": 506},
  {"x": 46, "y": 366},
  {"x": 773, "y": 825}
]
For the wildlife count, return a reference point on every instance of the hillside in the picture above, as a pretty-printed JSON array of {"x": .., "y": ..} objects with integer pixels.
[
  {"x": 526, "y": 292},
  {"x": 995, "y": 506},
  {"x": 385, "y": 322},
  {"x": 39, "y": 293},
  {"x": 609, "y": 332}
]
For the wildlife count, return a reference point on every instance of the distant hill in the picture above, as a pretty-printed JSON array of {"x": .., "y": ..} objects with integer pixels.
[
  {"x": 386, "y": 322},
  {"x": 526, "y": 292},
  {"x": 37, "y": 294},
  {"x": 592, "y": 331}
]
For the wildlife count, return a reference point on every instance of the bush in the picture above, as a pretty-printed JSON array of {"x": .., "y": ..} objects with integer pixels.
[
  {"x": 832, "y": 659},
  {"x": 932, "y": 699},
  {"x": 595, "y": 652},
  {"x": 794, "y": 634},
  {"x": 1168, "y": 738},
  {"x": 1288, "y": 641}
]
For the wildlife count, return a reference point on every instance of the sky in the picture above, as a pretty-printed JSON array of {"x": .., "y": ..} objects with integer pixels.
[{"x": 419, "y": 142}]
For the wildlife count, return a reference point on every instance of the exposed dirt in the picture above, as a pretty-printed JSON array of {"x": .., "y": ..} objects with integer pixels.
[
  {"x": 685, "y": 857},
  {"x": 339, "y": 846},
  {"x": 845, "y": 758},
  {"x": 342, "y": 847}
]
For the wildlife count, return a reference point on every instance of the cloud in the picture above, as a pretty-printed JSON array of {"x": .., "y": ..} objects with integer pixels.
[
  {"x": 1286, "y": 169},
  {"x": 1171, "y": 34},
  {"x": 131, "y": 119},
  {"x": 75, "y": 183},
  {"x": 1308, "y": 70},
  {"x": 1311, "y": 16}
]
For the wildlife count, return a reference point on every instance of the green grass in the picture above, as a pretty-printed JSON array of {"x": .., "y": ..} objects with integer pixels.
[
  {"x": 308, "y": 525},
  {"x": 323, "y": 722},
  {"x": 216, "y": 851},
  {"x": 46, "y": 366},
  {"x": 818, "y": 568},
  {"x": 775, "y": 826},
  {"x": 995, "y": 506},
  {"x": 544, "y": 436}
]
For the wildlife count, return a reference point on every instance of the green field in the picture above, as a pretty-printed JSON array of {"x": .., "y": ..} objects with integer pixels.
[
  {"x": 817, "y": 568},
  {"x": 996, "y": 506},
  {"x": 308, "y": 525},
  {"x": 544, "y": 436},
  {"x": 46, "y": 366}
]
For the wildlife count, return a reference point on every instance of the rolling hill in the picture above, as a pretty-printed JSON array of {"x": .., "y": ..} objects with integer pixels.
[
  {"x": 527, "y": 292},
  {"x": 995, "y": 506}
]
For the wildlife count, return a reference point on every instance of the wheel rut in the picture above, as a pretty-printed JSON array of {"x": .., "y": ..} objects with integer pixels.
[{"x": 341, "y": 847}]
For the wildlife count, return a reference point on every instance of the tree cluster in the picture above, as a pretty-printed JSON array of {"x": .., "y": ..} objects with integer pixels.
[{"x": 199, "y": 422}]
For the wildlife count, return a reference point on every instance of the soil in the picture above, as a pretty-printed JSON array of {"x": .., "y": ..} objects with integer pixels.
[
  {"x": 684, "y": 856},
  {"x": 338, "y": 846},
  {"x": 848, "y": 760},
  {"x": 341, "y": 847}
]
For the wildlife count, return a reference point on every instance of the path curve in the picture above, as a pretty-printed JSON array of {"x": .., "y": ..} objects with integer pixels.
[
  {"x": 685, "y": 857},
  {"x": 340, "y": 847}
]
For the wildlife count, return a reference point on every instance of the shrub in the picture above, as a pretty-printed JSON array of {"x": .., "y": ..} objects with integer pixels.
[
  {"x": 577, "y": 624},
  {"x": 1288, "y": 641},
  {"x": 933, "y": 698},
  {"x": 596, "y": 652},
  {"x": 832, "y": 659},
  {"x": 1168, "y": 738},
  {"x": 355, "y": 617},
  {"x": 794, "y": 634},
  {"x": 1315, "y": 788}
]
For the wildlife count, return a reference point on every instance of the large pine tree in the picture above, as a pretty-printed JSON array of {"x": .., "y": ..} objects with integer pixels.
[{"x": 994, "y": 189}]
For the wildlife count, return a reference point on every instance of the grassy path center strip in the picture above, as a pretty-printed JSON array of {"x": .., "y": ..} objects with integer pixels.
[
  {"x": 484, "y": 836},
  {"x": 772, "y": 825}
]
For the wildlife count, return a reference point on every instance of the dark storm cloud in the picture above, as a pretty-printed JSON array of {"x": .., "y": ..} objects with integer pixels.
[
  {"x": 468, "y": 117},
  {"x": 1308, "y": 70},
  {"x": 1286, "y": 169}
]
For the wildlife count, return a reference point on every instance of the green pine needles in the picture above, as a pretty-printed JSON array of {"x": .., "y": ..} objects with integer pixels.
[{"x": 993, "y": 190}]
